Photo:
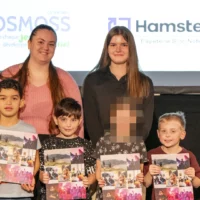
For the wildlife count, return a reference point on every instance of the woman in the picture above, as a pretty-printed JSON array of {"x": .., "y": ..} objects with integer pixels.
[
  {"x": 116, "y": 74},
  {"x": 44, "y": 85}
]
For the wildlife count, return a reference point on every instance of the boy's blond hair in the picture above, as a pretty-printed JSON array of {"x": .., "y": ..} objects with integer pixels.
[{"x": 178, "y": 116}]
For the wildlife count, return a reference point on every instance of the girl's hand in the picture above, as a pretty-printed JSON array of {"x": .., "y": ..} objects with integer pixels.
[
  {"x": 44, "y": 177},
  {"x": 140, "y": 177},
  {"x": 85, "y": 181},
  {"x": 101, "y": 183}
]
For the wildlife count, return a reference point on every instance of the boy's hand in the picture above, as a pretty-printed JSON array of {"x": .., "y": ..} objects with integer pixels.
[
  {"x": 140, "y": 177},
  {"x": 101, "y": 183},
  {"x": 190, "y": 172},
  {"x": 44, "y": 177},
  {"x": 154, "y": 169},
  {"x": 29, "y": 187},
  {"x": 85, "y": 181}
]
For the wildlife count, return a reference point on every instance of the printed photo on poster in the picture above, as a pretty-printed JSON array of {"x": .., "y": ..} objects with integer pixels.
[
  {"x": 184, "y": 180},
  {"x": 172, "y": 193},
  {"x": 173, "y": 178},
  {"x": 77, "y": 172},
  {"x": 14, "y": 155},
  {"x": 66, "y": 171},
  {"x": 134, "y": 194},
  {"x": 25, "y": 175},
  {"x": 56, "y": 157},
  {"x": 160, "y": 180},
  {"x": 113, "y": 163},
  {"x": 30, "y": 141},
  {"x": 109, "y": 194},
  {"x": 121, "y": 193},
  {"x": 161, "y": 193},
  {"x": 172, "y": 182},
  {"x": 133, "y": 162},
  {"x": 28, "y": 157},
  {"x": 77, "y": 156},
  {"x": 17, "y": 156},
  {"x": 119, "y": 172},
  {"x": 65, "y": 190},
  {"x": 110, "y": 178},
  {"x": 186, "y": 192},
  {"x": 183, "y": 161},
  {"x": 71, "y": 190},
  {"x": 166, "y": 162},
  {"x": 53, "y": 173},
  {"x": 4, "y": 154},
  {"x": 131, "y": 179},
  {"x": 11, "y": 138},
  {"x": 3, "y": 169},
  {"x": 15, "y": 173},
  {"x": 52, "y": 191}
]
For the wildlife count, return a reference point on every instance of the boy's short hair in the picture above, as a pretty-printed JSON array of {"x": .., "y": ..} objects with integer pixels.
[
  {"x": 179, "y": 116},
  {"x": 9, "y": 83},
  {"x": 68, "y": 107}
]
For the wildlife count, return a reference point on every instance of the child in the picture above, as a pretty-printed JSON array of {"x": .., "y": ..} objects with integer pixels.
[
  {"x": 171, "y": 129},
  {"x": 122, "y": 138},
  {"x": 67, "y": 116},
  {"x": 10, "y": 103}
]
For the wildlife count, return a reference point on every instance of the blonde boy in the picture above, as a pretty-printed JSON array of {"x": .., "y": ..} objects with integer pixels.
[{"x": 171, "y": 130}]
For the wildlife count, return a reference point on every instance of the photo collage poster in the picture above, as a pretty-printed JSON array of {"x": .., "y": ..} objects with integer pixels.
[
  {"x": 119, "y": 172},
  {"x": 17, "y": 156},
  {"x": 172, "y": 182},
  {"x": 66, "y": 171}
]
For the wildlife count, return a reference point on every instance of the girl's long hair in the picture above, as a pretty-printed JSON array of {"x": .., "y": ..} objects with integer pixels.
[{"x": 137, "y": 83}]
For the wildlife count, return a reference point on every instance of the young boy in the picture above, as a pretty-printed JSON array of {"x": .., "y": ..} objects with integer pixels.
[
  {"x": 171, "y": 129},
  {"x": 11, "y": 102},
  {"x": 123, "y": 138},
  {"x": 67, "y": 117}
]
